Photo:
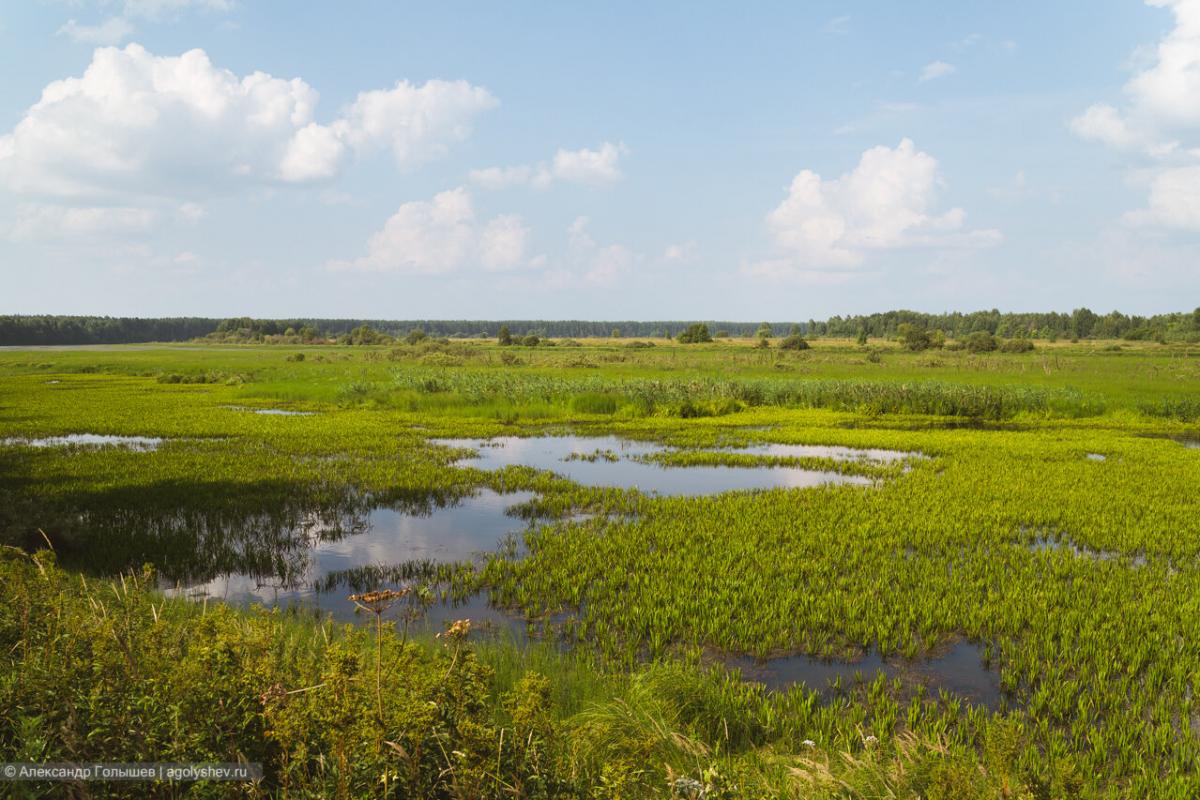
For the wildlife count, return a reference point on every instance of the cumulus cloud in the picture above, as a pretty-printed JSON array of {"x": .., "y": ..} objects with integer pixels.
[
  {"x": 590, "y": 167},
  {"x": 111, "y": 31},
  {"x": 886, "y": 202},
  {"x": 599, "y": 265},
  {"x": 138, "y": 129},
  {"x": 1160, "y": 121},
  {"x": 1174, "y": 200},
  {"x": 138, "y": 123},
  {"x": 935, "y": 70},
  {"x": 441, "y": 236}
]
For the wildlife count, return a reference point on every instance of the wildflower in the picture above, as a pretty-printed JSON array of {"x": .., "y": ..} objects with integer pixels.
[
  {"x": 274, "y": 693},
  {"x": 456, "y": 631},
  {"x": 869, "y": 740},
  {"x": 378, "y": 601},
  {"x": 809, "y": 743}
]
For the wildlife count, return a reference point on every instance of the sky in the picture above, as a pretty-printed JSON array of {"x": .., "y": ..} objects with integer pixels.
[{"x": 617, "y": 160}]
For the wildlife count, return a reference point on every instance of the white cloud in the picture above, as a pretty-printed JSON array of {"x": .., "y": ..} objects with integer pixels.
[
  {"x": 113, "y": 30},
  {"x": 966, "y": 43},
  {"x": 936, "y": 69},
  {"x": 155, "y": 131},
  {"x": 885, "y": 203},
  {"x": 442, "y": 236},
  {"x": 680, "y": 252},
  {"x": 600, "y": 265},
  {"x": 502, "y": 242},
  {"x": 837, "y": 25},
  {"x": 39, "y": 221},
  {"x": 157, "y": 9},
  {"x": 1160, "y": 120},
  {"x": 501, "y": 177},
  {"x": 589, "y": 167},
  {"x": 1103, "y": 123},
  {"x": 1174, "y": 200}
]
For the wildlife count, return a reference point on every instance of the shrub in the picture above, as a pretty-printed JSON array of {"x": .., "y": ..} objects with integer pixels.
[
  {"x": 913, "y": 337},
  {"x": 794, "y": 342},
  {"x": 980, "y": 342},
  {"x": 1016, "y": 346}
]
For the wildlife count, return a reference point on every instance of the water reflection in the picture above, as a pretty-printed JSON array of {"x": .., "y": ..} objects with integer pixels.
[
  {"x": 140, "y": 443},
  {"x": 613, "y": 461},
  {"x": 384, "y": 540}
]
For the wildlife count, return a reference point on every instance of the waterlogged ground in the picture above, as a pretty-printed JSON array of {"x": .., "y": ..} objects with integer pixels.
[{"x": 972, "y": 536}]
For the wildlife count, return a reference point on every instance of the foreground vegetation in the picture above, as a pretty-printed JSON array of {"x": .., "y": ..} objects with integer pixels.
[{"x": 1051, "y": 521}]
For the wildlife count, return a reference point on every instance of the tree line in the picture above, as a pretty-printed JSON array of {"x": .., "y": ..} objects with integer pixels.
[{"x": 1082, "y": 323}]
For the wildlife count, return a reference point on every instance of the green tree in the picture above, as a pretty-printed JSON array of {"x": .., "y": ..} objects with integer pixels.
[
  {"x": 764, "y": 331},
  {"x": 694, "y": 333},
  {"x": 913, "y": 337},
  {"x": 504, "y": 338}
]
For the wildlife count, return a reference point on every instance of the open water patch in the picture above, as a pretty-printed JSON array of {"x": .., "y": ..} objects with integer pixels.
[
  {"x": 611, "y": 461},
  {"x": 272, "y": 412},
  {"x": 89, "y": 440},
  {"x": 317, "y": 559},
  {"x": 868, "y": 455},
  {"x": 961, "y": 670},
  {"x": 1052, "y": 544}
]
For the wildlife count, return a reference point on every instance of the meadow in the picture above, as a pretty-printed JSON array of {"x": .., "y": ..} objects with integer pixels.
[{"x": 1043, "y": 517}]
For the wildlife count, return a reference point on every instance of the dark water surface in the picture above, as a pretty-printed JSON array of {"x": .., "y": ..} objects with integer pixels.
[{"x": 960, "y": 670}]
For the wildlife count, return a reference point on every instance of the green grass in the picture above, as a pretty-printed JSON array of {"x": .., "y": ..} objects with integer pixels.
[{"x": 1096, "y": 656}]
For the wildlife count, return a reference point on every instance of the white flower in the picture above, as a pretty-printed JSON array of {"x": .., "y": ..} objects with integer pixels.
[{"x": 809, "y": 743}]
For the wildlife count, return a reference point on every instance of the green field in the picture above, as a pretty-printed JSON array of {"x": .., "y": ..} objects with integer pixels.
[{"x": 1048, "y": 517}]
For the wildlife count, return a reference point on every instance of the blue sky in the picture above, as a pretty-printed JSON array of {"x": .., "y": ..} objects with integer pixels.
[{"x": 605, "y": 161}]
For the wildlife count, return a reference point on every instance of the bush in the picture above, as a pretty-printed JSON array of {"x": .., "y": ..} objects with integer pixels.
[
  {"x": 530, "y": 341},
  {"x": 980, "y": 342},
  {"x": 794, "y": 342},
  {"x": 913, "y": 337},
  {"x": 1016, "y": 346}
]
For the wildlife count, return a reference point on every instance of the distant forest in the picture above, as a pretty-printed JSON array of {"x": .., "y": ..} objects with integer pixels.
[{"x": 1079, "y": 324}]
